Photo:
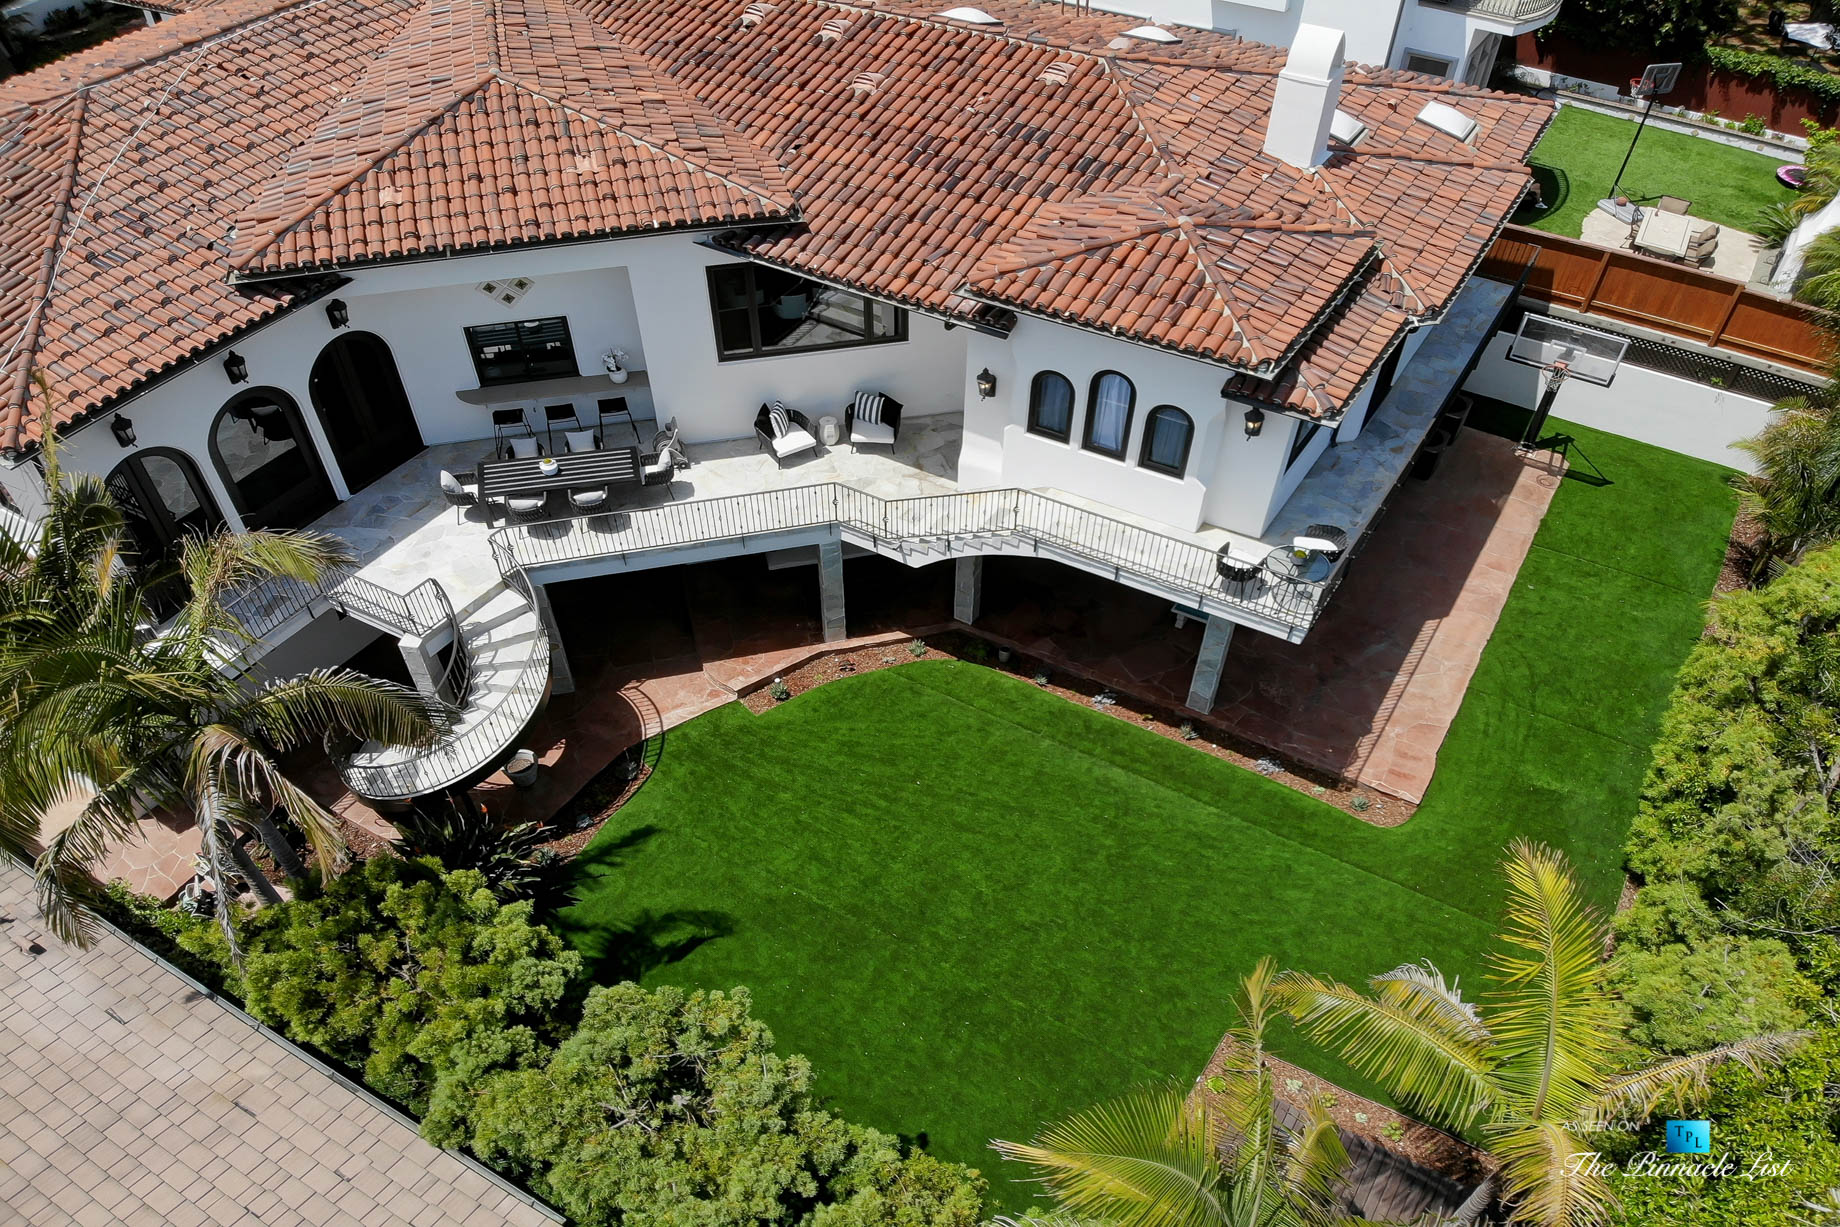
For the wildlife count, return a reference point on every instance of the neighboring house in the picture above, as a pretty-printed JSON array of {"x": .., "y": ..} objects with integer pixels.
[
  {"x": 1455, "y": 39},
  {"x": 1156, "y": 309}
]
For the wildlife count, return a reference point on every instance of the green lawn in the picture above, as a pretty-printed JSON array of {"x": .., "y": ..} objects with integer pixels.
[
  {"x": 975, "y": 905},
  {"x": 1576, "y": 163}
]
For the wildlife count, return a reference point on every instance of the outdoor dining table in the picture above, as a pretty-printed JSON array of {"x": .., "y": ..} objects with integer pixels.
[
  {"x": 1667, "y": 234},
  {"x": 525, "y": 477}
]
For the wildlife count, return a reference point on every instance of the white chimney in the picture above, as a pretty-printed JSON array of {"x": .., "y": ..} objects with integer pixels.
[{"x": 1303, "y": 106}]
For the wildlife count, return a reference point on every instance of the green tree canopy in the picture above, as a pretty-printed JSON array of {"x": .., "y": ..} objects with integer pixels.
[
  {"x": 396, "y": 963},
  {"x": 1662, "y": 29},
  {"x": 671, "y": 1109}
]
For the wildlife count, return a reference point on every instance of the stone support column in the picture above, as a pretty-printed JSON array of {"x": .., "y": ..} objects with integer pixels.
[
  {"x": 968, "y": 590},
  {"x": 830, "y": 591},
  {"x": 1206, "y": 681}
]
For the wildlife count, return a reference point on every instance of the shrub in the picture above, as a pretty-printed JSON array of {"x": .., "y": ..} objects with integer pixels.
[
  {"x": 396, "y": 962},
  {"x": 917, "y": 648},
  {"x": 672, "y": 1107},
  {"x": 779, "y": 691},
  {"x": 1786, "y": 73},
  {"x": 457, "y": 831}
]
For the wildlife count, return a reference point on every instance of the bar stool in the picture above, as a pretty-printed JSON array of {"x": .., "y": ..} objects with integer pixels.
[
  {"x": 554, "y": 415},
  {"x": 616, "y": 407},
  {"x": 508, "y": 424}
]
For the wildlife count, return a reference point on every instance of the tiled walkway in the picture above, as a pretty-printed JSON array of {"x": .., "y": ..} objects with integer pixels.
[{"x": 127, "y": 1098}]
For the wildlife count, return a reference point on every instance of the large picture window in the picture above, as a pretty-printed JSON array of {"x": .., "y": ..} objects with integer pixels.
[
  {"x": 760, "y": 311},
  {"x": 1051, "y": 406},
  {"x": 524, "y": 349},
  {"x": 1108, "y": 414},
  {"x": 1167, "y": 433}
]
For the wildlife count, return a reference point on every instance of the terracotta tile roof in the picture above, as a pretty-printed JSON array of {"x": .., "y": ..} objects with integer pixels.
[{"x": 187, "y": 173}]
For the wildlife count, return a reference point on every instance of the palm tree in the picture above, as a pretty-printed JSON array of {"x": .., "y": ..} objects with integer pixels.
[
  {"x": 94, "y": 701},
  {"x": 1161, "y": 1158},
  {"x": 1795, "y": 493},
  {"x": 1543, "y": 1063}
]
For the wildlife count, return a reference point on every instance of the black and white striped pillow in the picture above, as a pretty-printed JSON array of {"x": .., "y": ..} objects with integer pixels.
[
  {"x": 781, "y": 423},
  {"x": 868, "y": 407}
]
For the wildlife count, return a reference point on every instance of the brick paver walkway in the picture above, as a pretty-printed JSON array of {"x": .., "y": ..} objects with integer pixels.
[{"x": 125, "y": 1097}]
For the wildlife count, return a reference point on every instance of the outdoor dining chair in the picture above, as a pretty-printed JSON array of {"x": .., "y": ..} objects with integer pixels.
[
  {"x": 557, "y": 415},
  {"x": 616, "y": 407},
  {"x": 507, "y": 424},
  {"x": 458, "y": 494},
  {"x": 658, "y": 466},
  {"x": 1674, "y": 204},
  {"x": 581, "y": 441},
  {"x": 592, "y": 498},
  {"x": 527, "y": 510},
  {"x": 523, "y": 447}
]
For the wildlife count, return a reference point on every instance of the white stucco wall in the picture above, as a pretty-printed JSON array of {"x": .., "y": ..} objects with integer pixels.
[
  {"x": 647, "y": 296},
  {"x": 1229, "y": 478},
  {"x": 1641, "y": 404}
]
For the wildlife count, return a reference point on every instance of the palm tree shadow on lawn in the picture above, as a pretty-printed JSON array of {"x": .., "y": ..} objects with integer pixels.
[{"x": 633, "y": 947}]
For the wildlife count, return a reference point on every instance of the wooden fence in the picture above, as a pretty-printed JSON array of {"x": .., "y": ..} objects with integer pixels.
[{"x": 1621, "y": 285}]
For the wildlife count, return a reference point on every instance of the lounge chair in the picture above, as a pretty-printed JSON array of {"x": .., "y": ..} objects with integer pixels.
[
  {"x": 784, "y": 432},
  {"x": 872, "y": 418}
]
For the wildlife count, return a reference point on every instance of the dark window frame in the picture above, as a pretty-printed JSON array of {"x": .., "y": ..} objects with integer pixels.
[
  {"x": 1092, "y": 403},
  {"x": 756, "y": 349},
  {"x": 1035, "y": 427},
  {"x": 302, "y": 438},
  {"x": 527, "y": 375},
  {"x": 1144, "y": 458}
]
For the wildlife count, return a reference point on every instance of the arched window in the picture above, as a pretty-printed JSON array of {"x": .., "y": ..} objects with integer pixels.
[
  {"x": 1051, "y": 406},
  {"x": 1167, "y": 433},
  {"x": 1108, "y": 414},
  {"x": 163, "y": 501},
  {"x": 266, "y": 458}
]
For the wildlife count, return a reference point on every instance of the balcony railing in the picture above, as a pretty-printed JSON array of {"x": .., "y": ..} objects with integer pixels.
[{"x": 942, "y": 525}]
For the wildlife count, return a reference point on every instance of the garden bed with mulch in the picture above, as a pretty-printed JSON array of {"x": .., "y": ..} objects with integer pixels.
[{"x": 1357, "y": 800}]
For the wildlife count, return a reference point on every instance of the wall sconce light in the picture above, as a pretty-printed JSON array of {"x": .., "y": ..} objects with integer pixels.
[
  {"x": 337, "y": 313},
  {"x": 123, "y": 430},
  {"x": 1255, "y": 422},
  {"x": 235, "y": 367},
  {"x": 986, "y": 384}
]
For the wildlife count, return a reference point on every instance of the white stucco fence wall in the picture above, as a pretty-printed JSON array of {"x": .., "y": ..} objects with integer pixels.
[{"x": 1648, "y": 406}]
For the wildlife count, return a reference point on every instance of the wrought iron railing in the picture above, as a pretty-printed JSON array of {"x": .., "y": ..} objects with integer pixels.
[{"x": 969, "y": 522}]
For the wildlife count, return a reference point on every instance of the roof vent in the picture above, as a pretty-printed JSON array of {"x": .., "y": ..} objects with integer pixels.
[
  {"x": 976, "y": 17},
  {"x": 1303, "y": 103},
  {"x": 833, "y": 30},
  {"x": 1058, "y": 73},
  {"x": 1449, "y": 120},
  {"x": 756, "y": 13},
  {"x": 1152, "y": 34},
  {"x": 864, "y": 84},
  {"x": 1346, "y": 129}
]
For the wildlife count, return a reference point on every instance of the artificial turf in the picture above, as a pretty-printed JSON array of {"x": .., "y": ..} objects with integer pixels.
[
  {"x": 976, "y": 906},
  {"x": 1576, "y": 163}
]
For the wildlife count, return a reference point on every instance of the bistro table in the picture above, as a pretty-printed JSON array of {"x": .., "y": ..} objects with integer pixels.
[
  {"x": 524, "y": 477},
  {"x": 1665, "y": 233}
]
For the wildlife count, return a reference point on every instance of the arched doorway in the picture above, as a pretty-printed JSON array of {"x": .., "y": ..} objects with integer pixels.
[
  {"x": 265, "y": 456},
  {"x": 163, "y": 500},
  {"x": 360, "y": 401}
]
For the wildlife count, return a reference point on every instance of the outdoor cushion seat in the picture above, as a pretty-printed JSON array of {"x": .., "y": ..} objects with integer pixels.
[
  {"x": 872, "y": 432},
  {"x": 793, "y": 442},
  {"x": 458, "y": 494},
  {"x": 523, "y": 448},
  {"x": 580, "y": 440},
  {"x": 594, "y": 496},
  {"x": 525, "y": 506}
]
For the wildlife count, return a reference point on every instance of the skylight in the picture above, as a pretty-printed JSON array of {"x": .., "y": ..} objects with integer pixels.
[
  {"x": 1152, "y": 34},
  {"x": 1346, "y": 128},
  {"x": 1449, "y": 120},
  {"x": 976, "y": 17}
]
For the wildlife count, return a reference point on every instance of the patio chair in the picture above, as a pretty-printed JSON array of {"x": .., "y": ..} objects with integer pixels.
[
  {"x": 873, "y": 418},
  {"x": 616, "y": 407},
  {"x": 1240, "y": 579},
  {"x": 507, "y": 423},
  {"x": 528, "y": 510},
  {"x": 784, "y": 432},
  {"x": 458, "y": 494},
  {"x": 1326, "y": 539},
  {"x": 591, "y": 499},
  {"x": 658, "y": 466},
  {"x": 558, "y": 415},
  {"x": 581, "y": 441},
  {"x": 523, "y": 447},
  {"x": 1674, "y": 204}
]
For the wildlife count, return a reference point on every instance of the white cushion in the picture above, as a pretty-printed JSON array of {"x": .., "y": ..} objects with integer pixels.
[
  {"x": 659, "y": 467},
  {"x": 792, "y": 442},
  {"x": 871, "y": 432},
  {"x": 867, "y": 407},
  {"x": 579, "y": 440},
  {"x": 588, "y": 498},
  {"x": 779, "y": 423},
  {"x": 525, "y": 505},
  {"x": 452, "y": 484},
  {"x": 523, "y": 447}
]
